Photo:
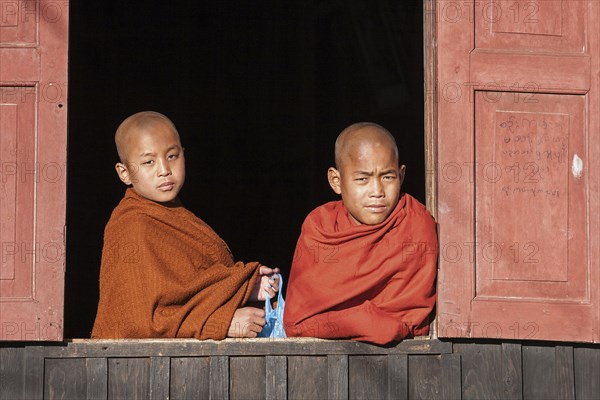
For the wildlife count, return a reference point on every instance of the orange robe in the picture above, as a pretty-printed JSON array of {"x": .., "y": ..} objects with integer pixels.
[
  {"x": 166, "y": 274},
  {"x": 373, "y": 283}
]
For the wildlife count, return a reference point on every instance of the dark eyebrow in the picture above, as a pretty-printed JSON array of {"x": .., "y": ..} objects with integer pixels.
[
  {"x": 386, "y": 172},
  {"x": 174, "y": 147}
]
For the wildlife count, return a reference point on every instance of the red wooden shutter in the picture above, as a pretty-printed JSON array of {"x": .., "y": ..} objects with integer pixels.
[
  {"x": 518, "y": 169},
  {"x": 33, "y": 144}
]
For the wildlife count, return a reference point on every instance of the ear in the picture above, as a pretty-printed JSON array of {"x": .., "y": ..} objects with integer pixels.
[
  {"x": 401, "y": 174},
  {"x": 334, "y": 178},
  {"x": 123, "y": 173}
]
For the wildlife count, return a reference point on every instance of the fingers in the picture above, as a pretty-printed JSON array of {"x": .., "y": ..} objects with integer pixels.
[
  {"x": 270, "y": 287},
  {"x": 267, "y": 292},
  {"x": 264, "y": 270},
  {"x": 250, "y": 313},
  {"x": 244, "y": 331},
  {"x": 247, "y": 322},
  {"x": 273, "y": 282},
  {"x": 251, "y": 331},
  {"x": 267, "y": 284},
  {"x": 255, "y": 314}
]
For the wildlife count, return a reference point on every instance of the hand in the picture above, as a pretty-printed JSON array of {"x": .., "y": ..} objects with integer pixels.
[
  {"x": 265, "y": 284},
  {"x": 247, "y": 322}
]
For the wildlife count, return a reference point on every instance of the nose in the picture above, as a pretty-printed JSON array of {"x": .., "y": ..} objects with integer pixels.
[
  {"x": 376, "y": 189},
  {"x": 163, "y": 168}
]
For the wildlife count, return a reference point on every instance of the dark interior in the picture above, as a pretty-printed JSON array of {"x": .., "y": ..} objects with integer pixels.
[{"x": 258, "y": 90}]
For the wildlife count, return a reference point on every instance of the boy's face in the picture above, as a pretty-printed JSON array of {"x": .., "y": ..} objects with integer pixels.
[
  {"x": 369, "y": 181},
  {"x": 155, "y": 165}
]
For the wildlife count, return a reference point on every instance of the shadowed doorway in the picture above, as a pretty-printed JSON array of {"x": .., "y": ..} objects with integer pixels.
[{"x": 258, "y": 91}]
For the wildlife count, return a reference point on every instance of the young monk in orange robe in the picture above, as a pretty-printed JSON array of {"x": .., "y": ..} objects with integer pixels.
[
  {"x": 165, "y": 273},
  {"x": 373, "y": 254}
]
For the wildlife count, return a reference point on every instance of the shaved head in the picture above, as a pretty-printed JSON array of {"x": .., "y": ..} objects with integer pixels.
[
  {"x": 359, "y": 134},
  {"x": 138, "y": 123},
  {"x": 367, "y": 172}
]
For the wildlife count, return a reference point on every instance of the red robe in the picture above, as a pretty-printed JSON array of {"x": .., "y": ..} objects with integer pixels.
[
  {"x": 166, "y": 274},
  {"x": 373, "y": 283}
]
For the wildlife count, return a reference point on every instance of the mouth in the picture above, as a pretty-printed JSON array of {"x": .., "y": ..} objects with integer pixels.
[
  {"x": 166, "y": 186},
  {"x": 376, "y": 208}
]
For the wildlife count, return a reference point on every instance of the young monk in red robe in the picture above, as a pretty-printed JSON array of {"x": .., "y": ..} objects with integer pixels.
[
  {"x": 165, "y": 273},
  {"x": 373, "y": 253}
]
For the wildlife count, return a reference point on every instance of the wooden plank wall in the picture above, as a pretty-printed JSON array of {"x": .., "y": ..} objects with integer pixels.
[{"x": 299, "y": 369}]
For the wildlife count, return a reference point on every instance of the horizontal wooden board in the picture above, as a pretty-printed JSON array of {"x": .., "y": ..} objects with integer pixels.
[
  {"x": 473, "y": 370},
  {"x": 233, "y": 347}
]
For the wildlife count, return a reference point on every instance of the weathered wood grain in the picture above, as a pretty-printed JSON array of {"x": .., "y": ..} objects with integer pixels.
[
  {"x": 512, "y": 371},
  {"x": 565, "y": 372},
  {"x": 397, "y": 376},
  {"x": 97, "y": 378},
  {"x": 425, "y": 376},
  {"x": 451, "y": 382},
  {"x": 65, "y": 378},
  {"x": 435, "y": 377},
  {"x": 11, "y": 372},
  {"x": 368, "y": 377},
  {"x": 190, "y": 378},
  {"x": 247, "y": 378},
  {"x": 160, "y": 376},
  {"x": 129, "y": 378},
  {"x": 276, "y": 377},
  {"x": 307, "y": 377},
  {"x": 33, "y": 366},
  {"x": 539, "y": 372},
  {"x": 337, "y": 376},
  {"x": 476, "y": 370},
  {"x": 587, "y": 372},
  {"x": 219, "y": 377},
  {"x": 237, "y": 347},
  {"x": 481, "y": 370}
]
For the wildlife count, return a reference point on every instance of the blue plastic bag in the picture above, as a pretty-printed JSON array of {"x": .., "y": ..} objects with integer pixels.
[{"x": 274, "y": 318}]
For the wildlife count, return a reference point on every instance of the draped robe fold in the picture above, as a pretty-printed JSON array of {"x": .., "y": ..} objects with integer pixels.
[
  {"x": 373, "y": 283},
  {"x": 166, "y": 274}
]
